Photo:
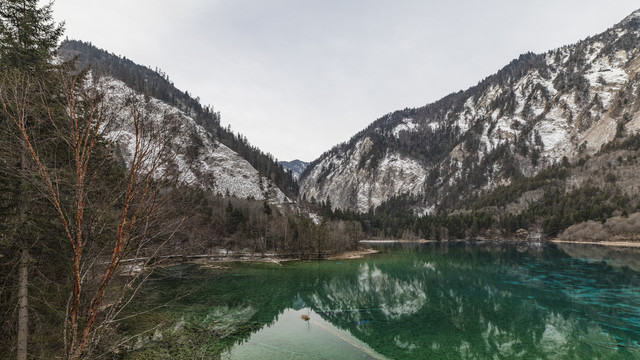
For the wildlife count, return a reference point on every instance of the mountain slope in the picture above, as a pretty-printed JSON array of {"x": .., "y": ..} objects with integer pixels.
[
  {"x": 198, "y": 158},
  {"x": 157, "y": 85},
  {"x": 528, "y": 116}
]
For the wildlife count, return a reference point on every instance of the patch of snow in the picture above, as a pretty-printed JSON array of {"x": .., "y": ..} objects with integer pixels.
[
  {"x": 606, "y": 76},
  {"x": 315, "y": 218},
  {"x": 425, "y": 211},
  {"x": 406, "y": 125},
  {"x": 553, "y": 134},
  {"x": 467, "y": 116}
]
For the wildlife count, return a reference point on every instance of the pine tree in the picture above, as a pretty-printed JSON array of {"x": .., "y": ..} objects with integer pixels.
[
  {"x": 28, "y": 39},
  {"x": 28, "y": 35}
]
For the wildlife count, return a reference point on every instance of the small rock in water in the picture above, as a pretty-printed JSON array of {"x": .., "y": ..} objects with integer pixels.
[{"x": 305, "y": 317}]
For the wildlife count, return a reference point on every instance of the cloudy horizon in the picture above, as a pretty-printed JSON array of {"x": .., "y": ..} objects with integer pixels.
[{"x": 298, "y": 77}]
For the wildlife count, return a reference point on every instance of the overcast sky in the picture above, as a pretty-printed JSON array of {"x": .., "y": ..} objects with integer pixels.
[{"x": 297, "y": 77}]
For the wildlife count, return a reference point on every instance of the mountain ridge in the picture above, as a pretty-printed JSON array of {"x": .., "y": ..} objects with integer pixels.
[
  {"x": 156, "y": 84},
  {"x": 524, "y": 118}
]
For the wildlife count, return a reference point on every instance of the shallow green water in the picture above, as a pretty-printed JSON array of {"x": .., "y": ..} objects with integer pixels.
[{"x": 408, "y": 302}]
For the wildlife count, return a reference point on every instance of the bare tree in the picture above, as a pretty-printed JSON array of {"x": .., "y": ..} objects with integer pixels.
[{"x": 83, "y": 118}]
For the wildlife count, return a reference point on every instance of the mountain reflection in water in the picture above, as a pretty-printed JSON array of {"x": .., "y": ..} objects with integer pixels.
[
  {"x": 433, "y": 301},
  {"x": 290, "y": 337}
]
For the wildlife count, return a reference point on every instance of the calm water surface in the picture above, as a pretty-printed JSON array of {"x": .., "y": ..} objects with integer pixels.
[{"x": 428, "y": 301}]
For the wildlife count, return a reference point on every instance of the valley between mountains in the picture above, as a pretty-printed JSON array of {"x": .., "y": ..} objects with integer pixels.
[
  {"x": 132, "y": 221},
  {"x": 547, "y": 143}
]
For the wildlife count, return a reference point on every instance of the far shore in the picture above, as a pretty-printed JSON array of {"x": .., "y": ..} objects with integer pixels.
[
  {"x": 633, "y": 244},
  {"x": 630, "y": 244},
  {"x": 392, "y": 241},
  {"x": 216, "y": 261},
  {"x": 358, "y": 254}
]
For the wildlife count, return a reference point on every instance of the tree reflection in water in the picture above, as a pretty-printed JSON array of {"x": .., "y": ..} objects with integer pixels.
[{"x": 431, "y": 301}]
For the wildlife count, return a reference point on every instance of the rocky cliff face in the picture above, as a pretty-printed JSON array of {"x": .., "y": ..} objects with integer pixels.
[
  {"x": 198, "y": 158},
  {"x": 529, "y": 115},
  {"x": 343, "y": 180}
]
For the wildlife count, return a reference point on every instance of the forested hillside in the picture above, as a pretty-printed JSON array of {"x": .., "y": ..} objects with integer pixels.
[{"x": 596, "y": 198}]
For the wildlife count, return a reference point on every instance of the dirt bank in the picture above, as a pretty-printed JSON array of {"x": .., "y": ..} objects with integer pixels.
[
  {"x": 633, "y": 244},
  {"x": 391, "y": 241},
  {"x": 353, "y": 254}
]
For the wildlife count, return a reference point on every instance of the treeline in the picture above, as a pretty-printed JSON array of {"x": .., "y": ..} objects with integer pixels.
[
  {"x": 213, "y": 222},
  {"x": 558, "y": 210},
  {"x": 158, "y": 85},
  {"x": 504, "y": 194},
  {"x": 395, "y": 220}
]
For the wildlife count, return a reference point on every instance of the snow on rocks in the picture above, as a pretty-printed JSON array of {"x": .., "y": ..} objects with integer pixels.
[
  {"x": 208, "y": 164},
  {"x": 405, "y": 125},
  {"x": 357, "y": 187}
]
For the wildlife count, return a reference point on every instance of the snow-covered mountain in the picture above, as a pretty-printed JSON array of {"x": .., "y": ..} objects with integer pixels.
[
  {"x": 529, "y": 115},
  {"x": 296, "y": 166},
  {"x": 202, "y": 151},
  {"x": 199, "y": 158}
]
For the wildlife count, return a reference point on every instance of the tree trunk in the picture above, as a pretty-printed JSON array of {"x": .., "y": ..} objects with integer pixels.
[
  {"x": 23, "y": 305},
  {"x": 23, "y": 270}
]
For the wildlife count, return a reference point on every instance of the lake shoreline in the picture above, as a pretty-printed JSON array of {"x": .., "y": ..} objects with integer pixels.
[
  {"x": 617, "y": 243},
  {"x": 394, "y": 241},
  {"x": 348, "y": 255},
  {"x": 216, "y": 261},
  {"x": 631, "y": 244},
  {"x": 357, "y": 254}
]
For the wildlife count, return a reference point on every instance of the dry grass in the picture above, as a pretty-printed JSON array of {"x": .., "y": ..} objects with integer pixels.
[{"x": 617, "y": 228}]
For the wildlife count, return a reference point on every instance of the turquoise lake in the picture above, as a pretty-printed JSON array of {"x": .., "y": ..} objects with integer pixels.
[{"x": 428, "y": 301}]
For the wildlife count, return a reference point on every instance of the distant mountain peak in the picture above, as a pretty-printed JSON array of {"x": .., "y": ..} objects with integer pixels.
[
  {"x": 296, "y": 166},
  {"x": 634, "y": 16}
]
